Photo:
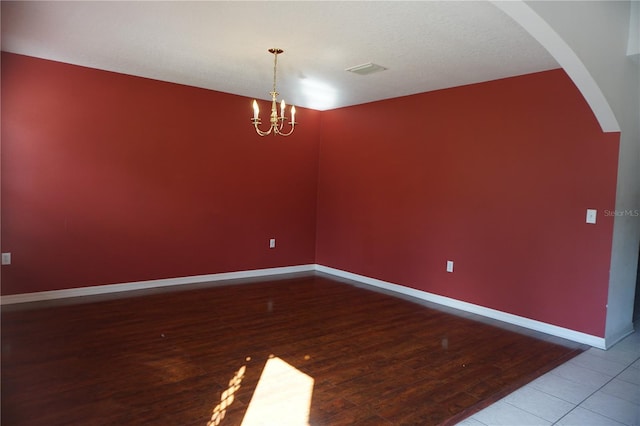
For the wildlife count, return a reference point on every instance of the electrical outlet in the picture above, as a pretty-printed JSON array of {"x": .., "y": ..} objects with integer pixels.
[
  {"x": 6, "y": 258},
  {"x": 591, "y": 215},
  {"x": 272, "y": 243},
  {"x": 449, "y": 265}
]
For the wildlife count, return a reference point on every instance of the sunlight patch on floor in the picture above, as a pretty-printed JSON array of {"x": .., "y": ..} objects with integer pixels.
[
  {"x": 282, "y": 396},
  {"x": 227, "y": 397}
]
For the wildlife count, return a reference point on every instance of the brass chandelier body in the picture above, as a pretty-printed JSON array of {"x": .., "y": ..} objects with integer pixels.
[{"x": 276, "y": 121}]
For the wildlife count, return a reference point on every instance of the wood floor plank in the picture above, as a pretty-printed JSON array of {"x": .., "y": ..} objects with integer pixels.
[{"x": 195, "y": 357}]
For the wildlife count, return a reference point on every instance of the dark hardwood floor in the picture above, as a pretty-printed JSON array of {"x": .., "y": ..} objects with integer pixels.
[{"x": 196, "y": 357}]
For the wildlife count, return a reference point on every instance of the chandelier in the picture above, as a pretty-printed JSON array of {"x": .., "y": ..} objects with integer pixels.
[{"x": 276, "y": 121}]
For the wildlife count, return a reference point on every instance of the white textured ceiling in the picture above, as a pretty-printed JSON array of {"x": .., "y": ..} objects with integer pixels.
[{"x": 222, "y": 45}]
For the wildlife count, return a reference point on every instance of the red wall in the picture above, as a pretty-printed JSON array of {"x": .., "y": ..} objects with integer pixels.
[
  {"x": 109, "y": 178},
  {"x": 496, "y": 177}
]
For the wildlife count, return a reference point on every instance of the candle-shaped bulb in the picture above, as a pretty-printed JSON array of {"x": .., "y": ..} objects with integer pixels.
[
  {"x": 282, "y": 107},
  {"x": 256, "y": 110},
  {"x": 293, "y": 113}
]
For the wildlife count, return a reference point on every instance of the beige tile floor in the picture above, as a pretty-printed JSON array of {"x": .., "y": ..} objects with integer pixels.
[{"x": 597, "y": 387}]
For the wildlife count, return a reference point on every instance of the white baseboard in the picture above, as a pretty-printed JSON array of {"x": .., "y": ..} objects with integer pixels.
[
  {"x": 550, "y": 329},
  {"x": 142, "y": 285},
  {"x": 614, "y": 338}
]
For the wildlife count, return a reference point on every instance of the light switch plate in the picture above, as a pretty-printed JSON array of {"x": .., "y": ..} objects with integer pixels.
[
  {"x": 6, "y": 258},
  {"x": 591, "y": 215},
  {"x": 449, "y": 265}
]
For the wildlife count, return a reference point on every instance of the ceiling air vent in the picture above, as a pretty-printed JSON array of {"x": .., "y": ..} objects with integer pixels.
[{"x": 364, "y": 69}]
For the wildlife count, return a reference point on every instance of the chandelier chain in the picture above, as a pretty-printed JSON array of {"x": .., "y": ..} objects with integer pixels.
[{"x": 275, "y": 65}]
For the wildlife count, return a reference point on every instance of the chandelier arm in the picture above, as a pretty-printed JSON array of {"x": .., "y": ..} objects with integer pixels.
[
  {"x": 256, "y": 122},
  {"x": 289, "y": 132}
]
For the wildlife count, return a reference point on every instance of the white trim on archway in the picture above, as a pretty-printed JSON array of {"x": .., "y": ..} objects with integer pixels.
[{"x": 566, "y": 57}]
